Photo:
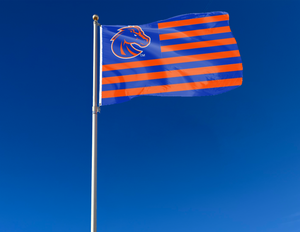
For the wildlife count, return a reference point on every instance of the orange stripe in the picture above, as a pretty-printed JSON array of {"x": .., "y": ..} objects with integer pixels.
[
  {"x": 173, "y": 88},
  {"x": 187, "y": 22},
  {"x": 171, "y": 60},
  {"x": 173, "y": 73},
  {"x": 184, "y": 34},
  {"x": 202, "y": 44}
]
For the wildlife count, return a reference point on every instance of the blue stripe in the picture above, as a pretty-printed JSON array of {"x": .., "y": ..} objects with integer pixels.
[
  {"x": 196, "y": 92},
  {"x": 196, "y": 51},
  {"x": 193, "y": 27},
  {"x": 169, "y": 67},
  {"x": 193, "y": 16},
  {"x": 189, "y": 93},
  {"x": 115, "y": 100},
  {"x": 174, "y": 80},
  {"x": 196, "y": 39}
]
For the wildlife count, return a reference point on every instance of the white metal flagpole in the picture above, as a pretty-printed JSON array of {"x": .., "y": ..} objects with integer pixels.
[{"x": 95, "y": 111}]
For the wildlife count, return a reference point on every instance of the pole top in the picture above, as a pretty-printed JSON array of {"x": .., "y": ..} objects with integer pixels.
[{"x": 96, "y": 17}]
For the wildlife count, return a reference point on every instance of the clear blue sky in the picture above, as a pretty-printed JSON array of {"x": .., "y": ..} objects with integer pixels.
[{"x": 225, "y": 163}]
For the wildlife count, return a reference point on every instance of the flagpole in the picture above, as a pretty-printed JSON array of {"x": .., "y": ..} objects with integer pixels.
[{"x": 94, "y": 129}]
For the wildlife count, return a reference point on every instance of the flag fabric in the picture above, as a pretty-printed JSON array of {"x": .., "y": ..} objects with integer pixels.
[{"x": 187, "y": 55}]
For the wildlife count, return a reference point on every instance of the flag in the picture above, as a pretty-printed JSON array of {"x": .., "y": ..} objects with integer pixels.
[{"x": 187, "y": 55}]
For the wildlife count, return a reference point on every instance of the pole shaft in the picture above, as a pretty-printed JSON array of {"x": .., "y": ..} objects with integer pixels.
[{"x": 94, "y": 133}]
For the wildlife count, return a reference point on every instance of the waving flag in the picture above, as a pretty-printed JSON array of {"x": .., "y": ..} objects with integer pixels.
[{"x": 187, "y": 55}]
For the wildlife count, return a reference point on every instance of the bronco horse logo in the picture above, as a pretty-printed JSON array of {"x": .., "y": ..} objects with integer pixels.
[{"x": 122, "y": 42}]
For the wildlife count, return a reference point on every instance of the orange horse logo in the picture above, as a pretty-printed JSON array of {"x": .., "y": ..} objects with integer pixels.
[{"x": 122, "y": 42}]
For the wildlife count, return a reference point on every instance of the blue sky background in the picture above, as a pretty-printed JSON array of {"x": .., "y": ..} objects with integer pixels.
[{"x": 212, "y": 164}]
